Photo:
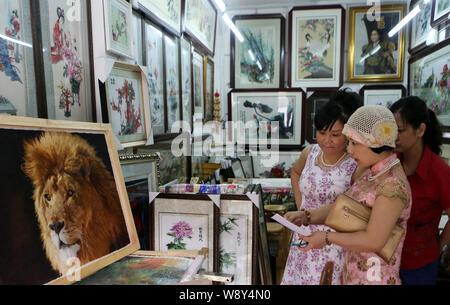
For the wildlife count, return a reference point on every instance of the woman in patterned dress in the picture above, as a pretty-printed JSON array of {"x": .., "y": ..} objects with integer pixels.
[
  {"x": 323, "y": 171},
  {"x": 372, "y": 132}
]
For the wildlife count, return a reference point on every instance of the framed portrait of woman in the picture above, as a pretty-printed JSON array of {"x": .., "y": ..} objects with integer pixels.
[
  {"x": 258, "y": 62},
  {"x": 373, "y": 55},
  {"x": 316, "y": 37}
]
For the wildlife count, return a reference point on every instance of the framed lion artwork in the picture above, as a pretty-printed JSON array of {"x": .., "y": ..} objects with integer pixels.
[{"x": 64, "y": 210}]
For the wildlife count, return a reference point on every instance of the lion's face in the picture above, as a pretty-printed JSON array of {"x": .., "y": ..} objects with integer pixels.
[{"x": 65, "y": 214}]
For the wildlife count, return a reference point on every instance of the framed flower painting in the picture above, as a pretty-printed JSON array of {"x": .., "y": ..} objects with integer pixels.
[
  {"x": 316, "y": 38},
  {"x": 167, "y": 13},
  {"x": 119, "y": 27},
  {"x": 384, "y": 95},
  {"x": 172, "y": 73}
]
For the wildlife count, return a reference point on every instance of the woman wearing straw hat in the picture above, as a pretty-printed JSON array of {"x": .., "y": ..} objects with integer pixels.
[{"x": 372, "y": 131}]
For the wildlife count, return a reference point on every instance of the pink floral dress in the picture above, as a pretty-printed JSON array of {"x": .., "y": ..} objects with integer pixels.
[
  {"x": 319, "y": 186},
  {"x": 367, "y": 268}
]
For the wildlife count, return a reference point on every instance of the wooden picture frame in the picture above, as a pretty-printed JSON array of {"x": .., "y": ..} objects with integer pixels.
[
  {"x": 265, "y": 166},
  {"x": 154, "y": 60},
  {"x": 119, "y": 27},
  {"x": 439, "y": 12},
  {"x": 420, "y": 26},
  {"x": 186, "y": 222},
  {"x": 384, "y": 61},
  {"x": 87, "y": 153},
  {"x": 208, "y": 85},
  {"x": 384, "y": 95},
  {"x": 267, "y": 101},
  {"x": 149, "y": 268},
  {"x": 165, "y": 13},
  {"x": 172, "y": 82},
  {"x": 127, "y": 104},
  {"x": 200, "y": 23},
  {"x": 258, "y": 62},
  {"x": 314, "y": 102},
  {"x": 239, "y": 242},
  {"x": 316, "y": 43},
  {"x": 428, "y": 78}
]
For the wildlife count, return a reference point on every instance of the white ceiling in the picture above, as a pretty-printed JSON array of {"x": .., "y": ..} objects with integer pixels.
[{"x": 253, "y": 4}]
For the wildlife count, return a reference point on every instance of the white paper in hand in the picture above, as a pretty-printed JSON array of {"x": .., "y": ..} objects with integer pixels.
[{"x": 300, "y": 230}]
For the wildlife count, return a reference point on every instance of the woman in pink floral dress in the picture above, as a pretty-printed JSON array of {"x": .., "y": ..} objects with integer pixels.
[
  {"x": 372, "y": 131},
  {"x": 317, "y": 183}
]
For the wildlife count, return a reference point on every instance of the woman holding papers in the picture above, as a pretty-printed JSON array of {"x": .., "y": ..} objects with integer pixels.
[
  {"x": 323, "y": 171},
  {"x": 372, "y": 132}
]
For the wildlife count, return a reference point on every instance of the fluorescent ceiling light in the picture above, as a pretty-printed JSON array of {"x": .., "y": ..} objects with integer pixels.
[
  {"x": 233, "y": 27},
  {"x": 426, "y": 1},
  {"x": 16, "y": 41},
  {"x": 259, "y": 65},
  {"x": 404, "y": 21},
  {"x": 370, "y": 54},
  {"x": 220, "y": 4}
]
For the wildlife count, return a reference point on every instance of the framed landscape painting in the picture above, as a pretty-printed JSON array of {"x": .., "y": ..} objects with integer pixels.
[
  {"x": 166, "y": 13},
  {"x": 127, "y": 104},
  {"x": 258, "y": 62},
  {"x": 73, "y": 243},
  {"x": 373, "y": 55},
  {"x": 186, "y": 223},
  {"x": 199, "y": 22},
  {"x": 316, "y": 40},
  {"x": 384, "y": 95},
  {"x": 119, "y": 27},
  {"x": 260, "y": 111},
  {"x": 429, "y": 79}
]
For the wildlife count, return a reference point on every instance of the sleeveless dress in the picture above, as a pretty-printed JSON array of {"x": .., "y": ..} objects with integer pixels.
[{"x": 319, "y": 187}]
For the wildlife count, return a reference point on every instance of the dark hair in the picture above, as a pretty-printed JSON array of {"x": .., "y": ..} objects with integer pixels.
[
  {"x": 381, "y": 149},
  {"x": 414, "y": 111},
  {"x": 341, "y": 106}
]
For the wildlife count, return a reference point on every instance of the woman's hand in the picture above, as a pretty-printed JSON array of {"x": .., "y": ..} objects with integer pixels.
[
  {"x": 315, "y": 241},
  {"x": 298, "y": 218}
]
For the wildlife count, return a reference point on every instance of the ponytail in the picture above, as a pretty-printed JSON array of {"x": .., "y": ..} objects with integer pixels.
[{"x": 433, "y": 133}]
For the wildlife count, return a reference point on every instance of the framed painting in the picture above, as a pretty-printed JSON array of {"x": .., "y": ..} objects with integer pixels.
[
  {"x": 171, "y": 60},
  {"x": 238, "y": 239},
  {"x": 140, "y": 173},
  {"x": 198, "y": 86},
  {"x": 209, "y": 88},
  {"x": 236, "y": 167},
  {"x": 17, "y": 79},
  {"x": 429, "y": 79},
  {"x": 67, "y": 60},
  {"x": 316, "y": 44},
  {"x": 440, "y": 12},
  {"x": 374, "y": 56},
  {"x": 127, "y": 104},
  {"x": 315, "y": 101},
  {"x": 186, "y": 80},
  {"x": 155, "y": 77},
  {"x": 199, "y": 22},
  {"x": 148, "y": 268},
  {"x": 258, "y": 62},
  {"x": 138, "y": 39},
  {"x": 247, "y": 165},
  {"x": 420, "y": 26},
  {"x": 384, "y": 95},
  {"x": 186, "y": 222},
  {"x": 166, "y": 13},
  {"x": 119, "y": 27},
  {"x": 259, "y": 110},
  {"x": 73, "y": 243},
  {"x": 266, "y": 166}
]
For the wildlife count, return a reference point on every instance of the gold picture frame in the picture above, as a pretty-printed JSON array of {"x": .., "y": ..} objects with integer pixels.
[{"x": 383, "y": 59}]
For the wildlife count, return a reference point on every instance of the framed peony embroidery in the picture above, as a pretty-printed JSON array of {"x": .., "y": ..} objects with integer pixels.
[
  {"x": 119, "y": 27},
  {"x": 182, "y": 223}
]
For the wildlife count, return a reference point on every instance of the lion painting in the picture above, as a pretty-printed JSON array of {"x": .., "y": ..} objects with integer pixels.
[{"x": 75, "y": 199}]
